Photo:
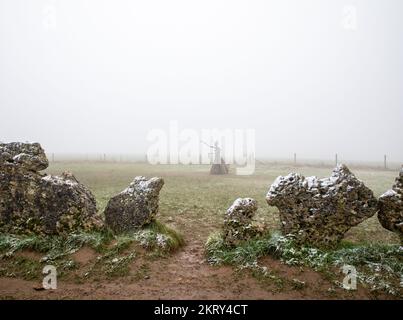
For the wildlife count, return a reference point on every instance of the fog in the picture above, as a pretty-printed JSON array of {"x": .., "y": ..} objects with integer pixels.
[{"x": 311, "y": 77}]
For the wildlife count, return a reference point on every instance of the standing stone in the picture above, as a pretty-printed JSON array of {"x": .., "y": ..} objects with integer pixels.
[
  {"x": 238, "y": 225},
  {"x": 135, "y": 206},
  {"x": 391, "y": 207},
  {"x": 34, "y": 202},
  {"x": 320, "y": 211}
]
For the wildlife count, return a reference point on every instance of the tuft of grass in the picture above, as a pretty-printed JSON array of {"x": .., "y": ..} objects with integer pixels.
[
  {"x": 21, "y": 267},
  {"x": 159, "y": 236},
  {"x": 246, "y": 253},
  {"x": 379, "y": 266},
  {"x": 55, "y": 247},
  {"x": 117, "y": 252}
]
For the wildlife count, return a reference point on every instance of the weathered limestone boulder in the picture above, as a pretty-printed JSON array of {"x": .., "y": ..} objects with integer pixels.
[
  {"x": 34, "y": 202},
  {"x": 238, "y": 225},
  {"x": 390, "y": 213},
  {"x": 135, "y": 206},
  {"x": 320, "y": 211}
]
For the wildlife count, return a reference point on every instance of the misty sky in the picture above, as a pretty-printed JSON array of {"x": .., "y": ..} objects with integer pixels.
[{"x": 96, "y": 76}]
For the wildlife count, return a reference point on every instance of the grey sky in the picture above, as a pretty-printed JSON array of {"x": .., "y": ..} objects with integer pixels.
[{"x": 96, "y": 76}]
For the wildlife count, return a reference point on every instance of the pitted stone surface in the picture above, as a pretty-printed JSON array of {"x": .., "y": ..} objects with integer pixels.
[
  {"x": 238, "y": 225},
  {"x": 34, "y": 202},
  {"x": 24, "y": 156},
  {"x": 135, "y": 206},
  {"x": 320, "y": 211}
]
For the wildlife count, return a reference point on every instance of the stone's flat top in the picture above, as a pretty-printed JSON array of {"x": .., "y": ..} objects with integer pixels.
[
  {"x": 142, "y": 184},
  {"x": 243, "y": 204},
  {"x": 389, "y": 193},
  {"x": 59, "y": 180},
  {"x": 16, "y": 147}
]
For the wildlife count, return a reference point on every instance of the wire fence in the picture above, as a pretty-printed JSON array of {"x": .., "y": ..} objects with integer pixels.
[{"x": 293, "y": 160}]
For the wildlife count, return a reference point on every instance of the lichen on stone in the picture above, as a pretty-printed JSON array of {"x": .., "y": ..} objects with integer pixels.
[
  {"x": 320, "y": 211},
  {"x": 33, "y": 202},
  {"x": 238, "y": 222},
  {"x": 135, "y": 206}
]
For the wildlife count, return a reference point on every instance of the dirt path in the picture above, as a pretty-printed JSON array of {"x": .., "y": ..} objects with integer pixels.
[{"x": 186, "y": 275}]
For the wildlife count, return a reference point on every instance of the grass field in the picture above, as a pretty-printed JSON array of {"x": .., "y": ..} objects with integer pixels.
[{"x": 195, "y": 201}]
